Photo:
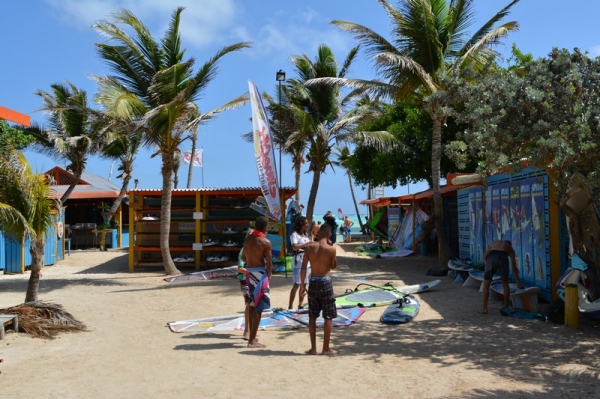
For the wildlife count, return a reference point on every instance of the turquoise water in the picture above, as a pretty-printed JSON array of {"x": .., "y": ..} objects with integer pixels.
[{"x": 355, "y": 228}]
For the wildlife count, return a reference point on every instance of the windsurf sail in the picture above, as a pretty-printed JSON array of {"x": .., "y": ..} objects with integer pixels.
[
  {"x": 369, "y": 296},
  {"x": 210, "y": 274},
  {"x": 378, "y": 224},
  {"x": 264, "y": 153},
  {"x": 273, "y": 319}
]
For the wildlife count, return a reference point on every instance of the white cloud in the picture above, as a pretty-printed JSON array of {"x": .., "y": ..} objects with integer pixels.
[
  {"x": 202, "y": 23},
  {"x": 276, "y": 33},
  {"x": 594, "y": 51}
]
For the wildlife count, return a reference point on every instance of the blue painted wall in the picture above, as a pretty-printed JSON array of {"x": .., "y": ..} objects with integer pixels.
[{"x": 512, "y": 207}]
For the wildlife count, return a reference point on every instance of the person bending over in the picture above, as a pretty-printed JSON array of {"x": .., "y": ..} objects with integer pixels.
[
  {"x": 321, "y": 256},
  {"x": 259, "y": 266},
  {"x": 496, "y": 259}
]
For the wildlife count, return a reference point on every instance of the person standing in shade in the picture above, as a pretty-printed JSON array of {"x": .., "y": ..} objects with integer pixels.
[
  {"x": 496, "y": 259},
  {"x": 259, "y": 265},
  {"x": 299, "y": 240},
  {"x": 315, "y": 230},
  {"x": 330, "y": 220},
  {"x": 321, "y": 256}
]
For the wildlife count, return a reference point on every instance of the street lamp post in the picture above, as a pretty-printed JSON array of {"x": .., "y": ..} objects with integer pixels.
[{"x": 280, "y": 77}]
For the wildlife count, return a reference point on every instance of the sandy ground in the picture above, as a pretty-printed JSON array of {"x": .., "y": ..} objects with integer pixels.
[{"x": 448, "y": 351}]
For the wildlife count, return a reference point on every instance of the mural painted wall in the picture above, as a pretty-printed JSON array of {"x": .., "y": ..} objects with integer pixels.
[{"x": 515, "y": 211}]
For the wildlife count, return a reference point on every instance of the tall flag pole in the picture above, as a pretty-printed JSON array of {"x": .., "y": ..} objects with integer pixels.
[{"x": 264, "y": 153}]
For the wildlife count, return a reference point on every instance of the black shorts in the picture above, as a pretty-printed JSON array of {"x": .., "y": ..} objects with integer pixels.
[
  {"x": 496, "y": 261},
  {"x": 320, "y": 298}
]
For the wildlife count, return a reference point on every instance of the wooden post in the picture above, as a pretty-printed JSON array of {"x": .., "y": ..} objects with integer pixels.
[{"x": 571, "y": 308}]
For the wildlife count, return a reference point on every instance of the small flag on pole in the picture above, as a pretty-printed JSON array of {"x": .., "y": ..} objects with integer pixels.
[{"x": 187, "y": 156}]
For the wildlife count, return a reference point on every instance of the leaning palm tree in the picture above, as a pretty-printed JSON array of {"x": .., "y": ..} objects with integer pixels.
[
  {"x": 72, "y": 135},
  {"x": 342, "y": 156},
  {"x": 321, "y": 116},
  {"x": 158, "y": 87},
  {"x": 429, "y": 43},
  {"x": 28, "y": 207}
]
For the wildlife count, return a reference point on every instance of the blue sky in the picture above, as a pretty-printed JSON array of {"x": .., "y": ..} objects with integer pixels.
[{"x": 50, "y": 41}]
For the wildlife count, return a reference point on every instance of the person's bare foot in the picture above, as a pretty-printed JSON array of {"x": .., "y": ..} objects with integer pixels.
[
  {"x": 246, "y": 336},
  {"x": 329, "y": 352},
  {"x": 483, "y": 311},
  {"x": 256, "y": 344},
  {"x": 311, "y": 352}
]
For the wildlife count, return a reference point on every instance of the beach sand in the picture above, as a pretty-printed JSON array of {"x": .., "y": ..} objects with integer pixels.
[{"x": 448, "y": 351}]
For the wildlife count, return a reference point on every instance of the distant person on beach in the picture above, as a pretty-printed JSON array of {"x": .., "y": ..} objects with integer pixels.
[
  {"x": 348, "y": 228},
  {"x": 365, "y": 229},
  {"x": 330, "y": 220},
  {"x": 299, "y": 240},
  {"x": 321, "y": 256},
  {"x": 315, "y": 230},
  {"x": 496, "y": 259},
  {"x": 259, "y": 266}
]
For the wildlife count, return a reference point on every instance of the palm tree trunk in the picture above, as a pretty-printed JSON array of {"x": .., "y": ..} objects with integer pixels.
[
  {"x": 312, "y": 198},
  {"x": 165, "y": 214},
  {"x": 76, "y": 177},
  {"x": 37, "y": 262},
  {"x": 355, "y": 203},
  {"x": 436, "y": 156},
  {"x": 117, "y": 202},
  {"x": 297, "y": 172}
]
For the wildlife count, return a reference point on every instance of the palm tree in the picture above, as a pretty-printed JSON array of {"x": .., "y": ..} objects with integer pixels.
[
  {"x": 320, "y": 114},
  {"x": 283, "y": 124},
  {"x": 72, "y": 135},
  {"x": 429, "y": 43},
  {"x": 158, "y": 88},
  {"x": 27, "y": 209},
  {"x": 342, "y": 155}
]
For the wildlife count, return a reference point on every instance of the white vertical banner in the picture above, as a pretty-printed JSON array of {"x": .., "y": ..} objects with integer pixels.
[
  {"x": 264, "y": 152},
  {"x": 187, "y": 157}
]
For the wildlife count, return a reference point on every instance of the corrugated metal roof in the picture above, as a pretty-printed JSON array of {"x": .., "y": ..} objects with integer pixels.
[
  {"x": 99, "y": 182},
  {"x": 90, "y": 186}
]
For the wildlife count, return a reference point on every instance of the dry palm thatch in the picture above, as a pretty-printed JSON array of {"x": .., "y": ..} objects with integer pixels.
[{"x": 44, "y": 320}]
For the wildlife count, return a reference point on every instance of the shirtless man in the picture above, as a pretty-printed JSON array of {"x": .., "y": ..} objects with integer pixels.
[
  {"x": 259, "y": 266},
  {"x": 321, "y": 256},
  {"x": 348, "y": 228},
  {"x": 496, "y": 258}
]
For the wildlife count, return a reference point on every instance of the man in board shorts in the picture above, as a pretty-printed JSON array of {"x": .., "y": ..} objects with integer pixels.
[
  {"x": 321, "y": 256},
  {"x": 496, "y": 259}
]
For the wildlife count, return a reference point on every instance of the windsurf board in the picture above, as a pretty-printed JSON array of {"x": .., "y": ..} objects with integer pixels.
[
  {"x": 418, "y": 288},
  {"x": 457, "y": 265},
  {"x": 263, "y": 210},
  {"x": 523, "y": 299},
  {"x": 496, "y": 286},
  {"x": 401, "y": 311},
  {"x": 522, "y": 314}
]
